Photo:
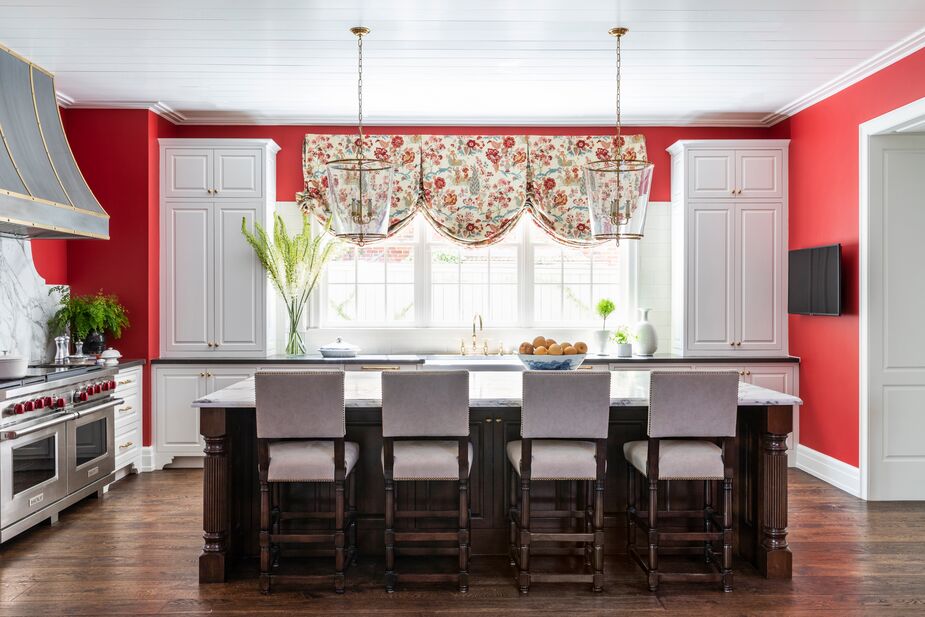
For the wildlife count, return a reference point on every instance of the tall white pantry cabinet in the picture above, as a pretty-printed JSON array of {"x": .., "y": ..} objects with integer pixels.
[
  {"x": 729, "y": 247},
  {"x": 214, "y": 296}
]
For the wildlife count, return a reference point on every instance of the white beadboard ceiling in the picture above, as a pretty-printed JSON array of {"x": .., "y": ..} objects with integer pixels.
[{"x": 707, "y": 62}]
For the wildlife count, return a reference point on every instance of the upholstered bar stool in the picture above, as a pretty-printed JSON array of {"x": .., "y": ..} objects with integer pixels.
[
  {"x": 688, "y": 413},
  {"x": 564, "y": 421},
  {"x": 300, "y": 438},
  {"x": 425, "y": 436}
]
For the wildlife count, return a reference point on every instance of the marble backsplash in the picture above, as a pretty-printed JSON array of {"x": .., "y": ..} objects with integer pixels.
[{"x": 25, "y": 304}]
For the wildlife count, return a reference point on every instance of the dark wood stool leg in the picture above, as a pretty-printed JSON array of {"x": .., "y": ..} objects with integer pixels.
[
  {"x": 727, "y": 534},
  {"x": 707, "y": 518},
  {"x": 524, "y": 536},
  {"x": 653, "y": 535},
  {"x": 339, "y": 537},
  {"x": 276, "y": 521},
  {"x": 389, "y": 536},
  {"x": 352, "y": 509},
  {"x": 463, "y": 536},
  {"x": 512, "y": 501},
  {"x": 631, "y": 493},
  {"x": 585, "y": 502},
  {"x": 264, "y": 537},
  {"x": 598, "y": 555}
]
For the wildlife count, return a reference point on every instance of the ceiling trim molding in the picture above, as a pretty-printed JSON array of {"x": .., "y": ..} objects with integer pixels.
[
  {"x": 906, "y": 47},
  {"x": 157, "y": 107}
]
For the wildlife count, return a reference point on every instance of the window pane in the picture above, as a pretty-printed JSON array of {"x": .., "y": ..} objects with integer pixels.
[
  {"x": 371, "y": 265},
  {"x": 400, "y": 264},
  {"x": 341, "y": 304},
  {"x": 547, "y": 265},
  {"x": 400, "y": 305},
  {"x": 444, "y": 265}
]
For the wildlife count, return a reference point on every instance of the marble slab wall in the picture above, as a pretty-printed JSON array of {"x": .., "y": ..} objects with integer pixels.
[{"x": 25, "y": 303}]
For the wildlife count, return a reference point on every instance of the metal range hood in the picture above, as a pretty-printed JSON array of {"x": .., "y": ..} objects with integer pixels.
[{"x": 42, "y": 192}]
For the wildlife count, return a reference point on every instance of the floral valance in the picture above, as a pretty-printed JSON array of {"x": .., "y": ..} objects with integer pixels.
[{"x": 474, "y": 188}]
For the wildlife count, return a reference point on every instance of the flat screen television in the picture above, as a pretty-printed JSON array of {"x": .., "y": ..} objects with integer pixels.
[{"x": 815, "y": 281}]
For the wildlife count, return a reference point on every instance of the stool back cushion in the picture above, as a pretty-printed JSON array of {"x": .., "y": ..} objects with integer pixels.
[
  {"x": 300, "y": 404},
  {"x": 565, "y": 405},
  {"x": 425, "y": 404},
  {"x": 693, "y": 403}
]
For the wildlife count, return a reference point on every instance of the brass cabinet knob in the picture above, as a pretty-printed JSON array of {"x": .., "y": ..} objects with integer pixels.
[
  {"x": 127, "y": 444},
  {"x": 738, "y": 343},
  {"x": 202, "y": 374},
  {"x": 732, "y": 343}
]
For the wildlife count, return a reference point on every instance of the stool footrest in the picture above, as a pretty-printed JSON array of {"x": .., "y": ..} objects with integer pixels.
[
  {"x": 426, "y": 536},
  {"x": 426, "y": 513},
  {"x": 301, "y": 538},
  {"x": 561, "y": 537}
]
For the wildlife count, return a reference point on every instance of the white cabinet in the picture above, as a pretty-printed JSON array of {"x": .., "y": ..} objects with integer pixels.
[
  {"x": 214, "y": 293},
  {"x": 723, "y": 171},
  {"x": 729, "y": 229},
  {"x": 127, "y": 424}
]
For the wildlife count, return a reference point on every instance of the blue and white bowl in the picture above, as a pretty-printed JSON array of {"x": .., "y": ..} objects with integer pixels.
[{"x": 552, "y": 363}]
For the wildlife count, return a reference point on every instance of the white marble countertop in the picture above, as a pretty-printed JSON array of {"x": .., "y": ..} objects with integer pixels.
[{"x": 493, "y": 389}]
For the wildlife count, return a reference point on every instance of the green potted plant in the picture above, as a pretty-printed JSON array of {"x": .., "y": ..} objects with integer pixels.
[
  {"x": 604, "y": 308},
  {"x": 623, "y": 339},
  {"x": 293, "y": 264},
  {"x": 88, "y": 318}
]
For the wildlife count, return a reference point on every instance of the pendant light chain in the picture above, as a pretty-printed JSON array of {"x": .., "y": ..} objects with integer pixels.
[
  {"x": 619, "y": 116},
  {"x": 360, "y": 93}
]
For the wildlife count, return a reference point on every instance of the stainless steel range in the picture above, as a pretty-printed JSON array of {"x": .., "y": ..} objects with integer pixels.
[{"x": 56, "y": 442}]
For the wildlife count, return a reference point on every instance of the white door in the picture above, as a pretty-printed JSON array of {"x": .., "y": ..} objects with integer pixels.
[
  {"x": 188, "y": 172},
  {"x": 238, "y": 172},
  {"x": 176, "y": 421},
  {"x": 188, "y": 278},
  {"x": 239, "y": 322},
  {"x": 711, "y": 174},
  {"x": 896, "y": 337},
  {"x": 759, "y": 174},
  {"x": 759, "y": 284},
  {"x": 711, "y": 261}
]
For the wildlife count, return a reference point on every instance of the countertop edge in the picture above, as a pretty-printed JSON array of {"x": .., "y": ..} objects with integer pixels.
[{"x": 423, "y": 359}]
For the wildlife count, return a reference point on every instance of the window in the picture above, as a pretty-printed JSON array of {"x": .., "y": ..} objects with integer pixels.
[{"x": 418, "y": 278}]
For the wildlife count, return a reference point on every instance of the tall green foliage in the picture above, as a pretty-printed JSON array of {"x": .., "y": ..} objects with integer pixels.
[
  {"x": 85, "y": 314},
  {"x": 294, "y": 265}
]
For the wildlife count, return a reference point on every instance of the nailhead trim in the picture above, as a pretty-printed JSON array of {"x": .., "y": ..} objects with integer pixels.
[{"x": 343, "y": 397}]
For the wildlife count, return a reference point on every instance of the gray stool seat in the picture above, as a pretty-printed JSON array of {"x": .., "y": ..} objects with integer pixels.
[
  {"x": 308, "y": 461},
  {"x": 427, "y": 460},
  {"x": 557, "y": 459},
  {"x": 679, "y": 459}
]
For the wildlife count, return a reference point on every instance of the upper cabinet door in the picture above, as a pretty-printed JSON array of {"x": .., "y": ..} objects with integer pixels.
[
  {"x": 239, "y": 281},
  {"x": 759, "y": 279},
  {"x": 759, "y": 174},
  {"x": 188, "y": 172},
  {"x": 238, "y": 173},
  {"x": 188, "y": 295},
  {"x": 711, "y": 262},
  {"x": 711, "y": 174}
]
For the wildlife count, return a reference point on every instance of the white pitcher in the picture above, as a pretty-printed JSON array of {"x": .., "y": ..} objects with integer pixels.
[{"x": 646, "y": 339}]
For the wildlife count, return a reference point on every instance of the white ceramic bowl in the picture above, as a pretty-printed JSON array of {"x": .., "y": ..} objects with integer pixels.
[
  {"x": 13, "y": 367},
  {"x": 552, "y": 363}
]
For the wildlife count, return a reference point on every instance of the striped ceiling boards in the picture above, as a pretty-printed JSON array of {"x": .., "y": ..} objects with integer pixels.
[{"x": 482, "y": 62}]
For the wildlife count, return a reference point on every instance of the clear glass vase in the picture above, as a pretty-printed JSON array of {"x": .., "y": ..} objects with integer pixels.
[{"x": 295, "y": 346}]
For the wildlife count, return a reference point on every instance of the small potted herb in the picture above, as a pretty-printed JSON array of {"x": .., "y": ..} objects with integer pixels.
[
  {"x": 604, "y": 308},
  {"x": 623, "y": 338},
  {"x": 88, "y": 318}
]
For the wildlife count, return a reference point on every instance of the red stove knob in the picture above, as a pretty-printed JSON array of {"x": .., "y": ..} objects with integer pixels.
[
  {"x": 83, "y": 396},
  {"x": 60, "y": 403},
  {"x": 105, "y": 386},
  {"x": 39, "y": 403},
  {"x": 19, "y": 408},
  {"x": 97, "y": 388},
  {"x": 112, "y": 384},
  {"x": 28, "y": 406},
  {"x": 47, "y": 401}
]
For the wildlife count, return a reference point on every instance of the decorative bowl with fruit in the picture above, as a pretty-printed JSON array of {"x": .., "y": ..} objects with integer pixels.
[{"x": 545, "y": 354}]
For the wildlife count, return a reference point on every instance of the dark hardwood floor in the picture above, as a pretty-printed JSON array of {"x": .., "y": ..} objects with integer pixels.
[{"x": 135, "y": 553}]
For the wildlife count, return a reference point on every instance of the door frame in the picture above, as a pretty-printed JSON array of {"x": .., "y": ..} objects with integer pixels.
[{"x": 900, "y": 120}]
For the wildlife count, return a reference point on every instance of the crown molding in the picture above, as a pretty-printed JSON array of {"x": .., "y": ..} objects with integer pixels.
[
  {"x": 905, "y": 47},
  {"x": 157, "y": 107}
]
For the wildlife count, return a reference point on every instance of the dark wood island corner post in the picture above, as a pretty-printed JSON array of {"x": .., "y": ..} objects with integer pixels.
[
  {"x": 774, "y": 557},
  {"x": 213, "y": 560}
]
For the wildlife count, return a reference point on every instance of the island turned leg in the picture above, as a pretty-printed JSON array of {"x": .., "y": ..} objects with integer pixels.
[
  {"x": 212, "y": 561},
  {"x": 773, "y": 554}
]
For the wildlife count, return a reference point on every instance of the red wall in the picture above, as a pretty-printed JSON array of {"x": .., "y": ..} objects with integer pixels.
[
  {"x": 50, "y": 259},
  {"x": 290, "y": 138},
  {"x": 824, "y": 210}
]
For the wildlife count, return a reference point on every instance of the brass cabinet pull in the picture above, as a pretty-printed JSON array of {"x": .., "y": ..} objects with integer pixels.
[
  {"x": 209, "y": 343},
  {"x": 586, "y": 367},
  {"x": 125, "y": 409},
  {"x": 748, "y": 372},
  {"x": 202, "y": 374},
  {"x": 738, "y": 343},
  {"x": 741, "y": 373},
  {"x": 732, "y": 343},
  {"x": 208, "y": 374},
  {"x": 126, "y": 382},
  {"x": 497, "y": 419},
  {"x": 379, "y": 368},
  {"x": 488, "y": 419},
  {"x": 127, "y": 444}
]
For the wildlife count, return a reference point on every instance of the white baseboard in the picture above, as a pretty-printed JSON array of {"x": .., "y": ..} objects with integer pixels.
[{"x": 831, "y": 470}]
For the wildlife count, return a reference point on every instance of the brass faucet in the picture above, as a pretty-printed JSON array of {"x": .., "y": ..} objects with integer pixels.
[{"x": 475, "y": 338}]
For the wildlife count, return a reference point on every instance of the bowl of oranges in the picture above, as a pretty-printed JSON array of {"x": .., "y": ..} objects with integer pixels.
[{"x": 546, "y": 354}]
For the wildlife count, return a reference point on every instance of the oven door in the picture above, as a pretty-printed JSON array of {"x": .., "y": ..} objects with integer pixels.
[
  {"x": 91, "y": 452},
  {"x": 33, "y": 470}
]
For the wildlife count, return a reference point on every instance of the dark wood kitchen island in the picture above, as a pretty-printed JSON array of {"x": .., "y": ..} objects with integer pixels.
[{"x": 231, "y": 495}]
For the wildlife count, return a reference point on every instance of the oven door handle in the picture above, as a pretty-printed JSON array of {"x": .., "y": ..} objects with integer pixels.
[
  {"x": 80, "y": 413},
  {"x": 14, "y": 434}
]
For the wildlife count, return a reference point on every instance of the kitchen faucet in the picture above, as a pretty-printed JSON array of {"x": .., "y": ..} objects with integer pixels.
[{"x": 477, "y": 318}]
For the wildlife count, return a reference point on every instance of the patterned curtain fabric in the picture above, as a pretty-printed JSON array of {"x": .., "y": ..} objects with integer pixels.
[
  {"x": 557, "y": 189},
  {"x": 474, "y": 189},
  {"x": 403, "y": 150}
]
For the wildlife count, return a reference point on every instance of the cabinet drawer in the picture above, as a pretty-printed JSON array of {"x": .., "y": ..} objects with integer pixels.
[
  {"x": 128, "y": 412},
  {"x": 128, "y": 382},
  {"x": 128, "y": 448}
]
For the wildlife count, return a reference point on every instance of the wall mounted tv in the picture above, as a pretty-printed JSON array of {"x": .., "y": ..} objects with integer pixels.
[{"x": 815, "y": 281}]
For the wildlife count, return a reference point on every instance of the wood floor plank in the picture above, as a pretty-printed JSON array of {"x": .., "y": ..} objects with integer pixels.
[{"x": 135, "y": 552}]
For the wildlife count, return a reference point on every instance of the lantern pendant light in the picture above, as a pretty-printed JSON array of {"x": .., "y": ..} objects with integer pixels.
[
  {"x": 618, "y": 189},
  {"x": 360, "y": 189}
]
